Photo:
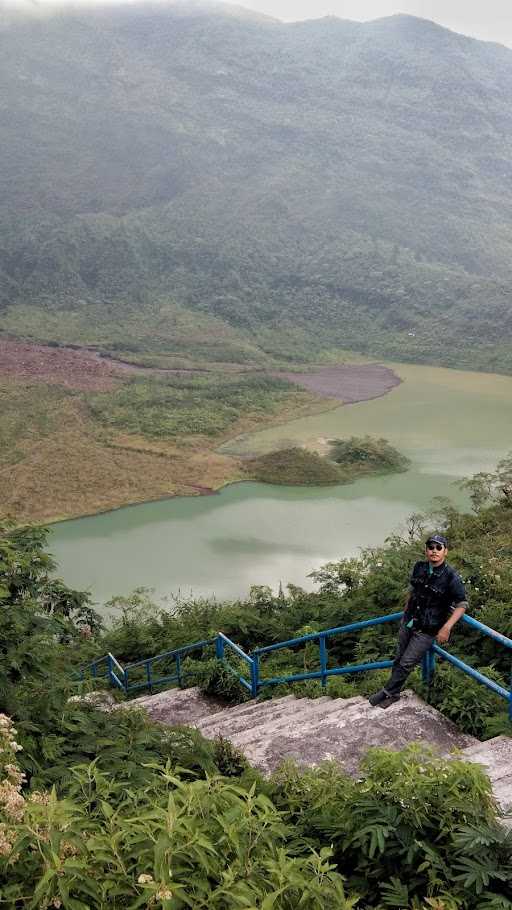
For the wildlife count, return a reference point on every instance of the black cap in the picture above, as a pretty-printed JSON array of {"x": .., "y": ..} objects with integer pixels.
[{"x": 437, "y": 538}]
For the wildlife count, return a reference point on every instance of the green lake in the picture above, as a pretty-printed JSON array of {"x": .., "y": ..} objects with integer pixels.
[{"x": 449, "y": 423}]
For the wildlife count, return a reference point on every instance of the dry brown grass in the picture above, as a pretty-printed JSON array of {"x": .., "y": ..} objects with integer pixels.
[
  {"x": 74, "y": 471},
  {"x": 64, "y": 465}
]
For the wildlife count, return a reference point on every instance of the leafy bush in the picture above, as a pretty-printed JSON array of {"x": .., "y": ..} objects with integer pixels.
[
  {"x": 230, "y": 761},
  {"x": 171, "y": 844},
  {"x": 414, "y": 827},
  {"x": 464, "y": 700},
  {"x": 292, "y": 466},
  {"x": 214, "y": 678},
  {"x": 364, "y": 454}
]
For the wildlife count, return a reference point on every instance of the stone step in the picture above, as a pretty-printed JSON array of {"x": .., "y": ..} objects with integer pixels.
[
  {"x": 502, "y": 790},
  {"x": 247, "y": 709},
  {"x": 306, "y": 715},
  {"x": 499, "y": 748},
  {"x": 345, "y": 734},
  {"x": 262, "y": 714},
  {"x": 313, "y": 730},
  {"x": 495, "y": 756},
  {"x": 177, "y": 706}
]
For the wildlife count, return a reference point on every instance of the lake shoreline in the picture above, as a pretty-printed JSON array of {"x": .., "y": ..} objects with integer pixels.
[
  {"x": 376, "y": 379},
  {"x": 254, "y": 533}
]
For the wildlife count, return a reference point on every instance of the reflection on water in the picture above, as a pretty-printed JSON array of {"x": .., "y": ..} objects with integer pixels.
[{"x": 450, "y": 424}]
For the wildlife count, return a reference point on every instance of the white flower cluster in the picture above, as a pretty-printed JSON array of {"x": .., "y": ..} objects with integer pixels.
[
  {"x": 163, "y": 893},
  {"x": 7, "y": 735},
  {"x": 12, "y": 803}
]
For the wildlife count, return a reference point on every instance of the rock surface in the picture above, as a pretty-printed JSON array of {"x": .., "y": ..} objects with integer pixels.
[{"x": 313, "y": 730}]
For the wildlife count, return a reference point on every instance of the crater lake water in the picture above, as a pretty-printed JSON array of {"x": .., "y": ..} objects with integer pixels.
[{"x": 449, "y": 423}]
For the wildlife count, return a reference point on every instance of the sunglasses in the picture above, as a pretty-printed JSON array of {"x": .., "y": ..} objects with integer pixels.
[{"x": 434, "y": 546}]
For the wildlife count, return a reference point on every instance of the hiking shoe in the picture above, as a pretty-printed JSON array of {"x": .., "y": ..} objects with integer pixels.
[
  {"x": 388, "y": 701},
  {"x": 378, "y": 697}
]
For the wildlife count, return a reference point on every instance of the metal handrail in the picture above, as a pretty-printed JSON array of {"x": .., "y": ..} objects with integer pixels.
[
  {"x": 221, "y": 643},
  {"x": 120, "y": 679},
  {"x": 256, "y": 683},
  {"x": 327, "y": 633},
  {"x": 486, "y": 630},
  {"x": 470, "y": 671},
  {"x": 322, "y": 637}
]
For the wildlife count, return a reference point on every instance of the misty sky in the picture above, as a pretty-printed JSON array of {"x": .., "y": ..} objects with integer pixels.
[{"x": 489, "y": 20}]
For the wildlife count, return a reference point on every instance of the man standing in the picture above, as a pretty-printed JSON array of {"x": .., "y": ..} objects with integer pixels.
[{"x": 437, "y": 600}]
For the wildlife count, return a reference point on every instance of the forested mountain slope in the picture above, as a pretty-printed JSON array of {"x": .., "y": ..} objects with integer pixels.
[{"x": 203, "y": 180}]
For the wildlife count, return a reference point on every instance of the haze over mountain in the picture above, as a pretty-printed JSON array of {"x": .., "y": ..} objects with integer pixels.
[{"x": 204, "y": 180}]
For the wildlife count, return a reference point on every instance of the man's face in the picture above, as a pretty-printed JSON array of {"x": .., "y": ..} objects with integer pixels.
[{"x": 435, "y": 553}]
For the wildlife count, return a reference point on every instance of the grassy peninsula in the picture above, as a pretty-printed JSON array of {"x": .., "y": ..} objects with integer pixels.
[
  {"x": 348, "y": 459},
  {"x": 362, "y": 455}
]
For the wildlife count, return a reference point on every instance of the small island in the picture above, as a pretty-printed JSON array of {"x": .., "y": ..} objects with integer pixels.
[{"x": 348, "y": 459}]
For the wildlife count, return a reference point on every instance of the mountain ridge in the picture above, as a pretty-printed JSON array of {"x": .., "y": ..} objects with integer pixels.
[{"x": 311, "y": 184}]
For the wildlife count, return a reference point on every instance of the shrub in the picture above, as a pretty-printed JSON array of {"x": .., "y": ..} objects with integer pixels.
[
  {"x": 173, "y": 844},
  {"x": 464, "y": 700},
  {"x": 214, "y": 678},
  {"x": 414, "y": 827}
]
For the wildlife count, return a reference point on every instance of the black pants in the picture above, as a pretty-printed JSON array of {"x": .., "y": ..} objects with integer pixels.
[{"x": 412, "y": 646}]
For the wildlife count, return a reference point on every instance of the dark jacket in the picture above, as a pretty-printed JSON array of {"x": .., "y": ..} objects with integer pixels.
[{"x": 434, "y": 593}]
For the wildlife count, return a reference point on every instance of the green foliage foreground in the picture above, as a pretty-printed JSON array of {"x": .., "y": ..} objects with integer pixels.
[
  {"x": 105, "y": 810},
  {"x": 414, "y": 831}
]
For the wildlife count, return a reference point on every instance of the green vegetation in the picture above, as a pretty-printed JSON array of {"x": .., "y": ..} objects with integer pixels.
[
  {"x": 366, "y": 455},
  {"x": 68, "y": 451},
  {"x": 348, "y": 460},
  {"x": 292, "y": 466},
  {"x": 248, "y": 190},
  {"x": 203, "y": 404},
  {"x": 109, "y": 810}
]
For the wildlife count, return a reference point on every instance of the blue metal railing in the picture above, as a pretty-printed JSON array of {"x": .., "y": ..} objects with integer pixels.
[
  {"x": 430, "y": 658},
  {"x": 108, "y": 667},
  {"x": 322, "y": 637},
  {"x": 221, "y": 643}
]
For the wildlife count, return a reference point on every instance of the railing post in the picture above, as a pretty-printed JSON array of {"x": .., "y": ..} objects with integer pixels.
[
  {"x": 510, "y": 700},
  {"x": 425, "y": 673},
  {"x": 432, "y": 664},
  {"x": 428, "y": 663},
  {"x": 323, "y": 660},
  {"x": 178, "y": 670},
  {"x": 255, "y": 674},
  {"x": 149, "y": 676},
  {"x": 125, "y": 680},
  {"x": 109, "y": 669},
  {"x": 219, "y": 648}
]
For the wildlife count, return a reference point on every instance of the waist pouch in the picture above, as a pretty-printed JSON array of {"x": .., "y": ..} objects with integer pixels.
[{"x": 414, "y": 623}]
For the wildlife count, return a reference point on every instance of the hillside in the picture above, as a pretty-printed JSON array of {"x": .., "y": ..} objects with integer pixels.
[{"x": 204, "y": 182}]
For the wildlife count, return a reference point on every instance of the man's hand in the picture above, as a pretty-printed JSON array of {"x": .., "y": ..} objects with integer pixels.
[{"x": 443, "y": 636}]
